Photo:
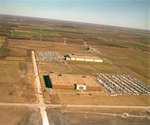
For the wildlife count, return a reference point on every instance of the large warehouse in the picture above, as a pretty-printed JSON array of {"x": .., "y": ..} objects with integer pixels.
[
  {"x": 83, "y": 57},
  {"x": 79, "y": 82}
]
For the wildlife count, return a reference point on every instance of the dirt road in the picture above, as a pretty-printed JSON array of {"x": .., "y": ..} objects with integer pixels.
[
  {"x": 74, "y": 106},
  {"x": 4, "y": 45},
  {"x": 37, "y": 78}
]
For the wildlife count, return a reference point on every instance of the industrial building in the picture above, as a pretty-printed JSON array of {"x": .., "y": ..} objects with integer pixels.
[
  {"x": 83, "y": 57},
  {"x": 78, "y": 82}
]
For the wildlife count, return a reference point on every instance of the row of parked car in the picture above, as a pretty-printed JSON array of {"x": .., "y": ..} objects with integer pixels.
[
  {"x": 47, "y": 56},
  {"x": 122, "y": 84}
]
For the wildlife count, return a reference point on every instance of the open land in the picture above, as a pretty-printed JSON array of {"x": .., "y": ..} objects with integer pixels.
[
  {"x": 14, "y": 115},
  {"x": 124, "y": 51},
  {"x": 98, "y": 117}
]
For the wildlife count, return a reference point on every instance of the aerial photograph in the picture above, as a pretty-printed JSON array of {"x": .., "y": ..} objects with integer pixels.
[{"x": 74, "y": 62}]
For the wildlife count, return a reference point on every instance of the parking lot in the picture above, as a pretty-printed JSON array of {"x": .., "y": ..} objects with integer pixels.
[
  {"x": 47, "y": 56},
  {"x": 122, "y": 84}
]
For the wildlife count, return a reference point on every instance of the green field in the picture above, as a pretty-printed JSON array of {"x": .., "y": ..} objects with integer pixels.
[
  {"x": 145, "y": 41},
  {"x": 24, "y": 33},
  {"x": 45, "y": 31}
]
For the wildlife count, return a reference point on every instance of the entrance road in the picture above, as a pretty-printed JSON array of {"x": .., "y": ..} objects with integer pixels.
[
  {"x": 38, "y": 83},
  {"x": 40, "y": 96}
]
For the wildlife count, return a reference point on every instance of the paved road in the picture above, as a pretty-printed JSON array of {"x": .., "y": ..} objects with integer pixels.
[
  {"x": 40, "y": 97},
  {"x": 44, "y": 115}
]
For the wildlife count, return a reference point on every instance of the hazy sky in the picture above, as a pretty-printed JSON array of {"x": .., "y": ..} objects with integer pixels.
[{"x": 126, "y": 13}]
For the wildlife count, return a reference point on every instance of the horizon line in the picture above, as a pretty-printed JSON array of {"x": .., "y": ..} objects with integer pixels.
[{"x": 132, "y": 28}]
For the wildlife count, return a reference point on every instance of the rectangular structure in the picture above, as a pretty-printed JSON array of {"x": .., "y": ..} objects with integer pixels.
[
  {"x": 79, "y": 59},
  {"x": 74, "y": 82},
  {"x": 80, "y": 87},
  {"x": 83, "y": 57}
]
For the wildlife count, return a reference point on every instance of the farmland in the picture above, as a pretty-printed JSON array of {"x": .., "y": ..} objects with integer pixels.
[
  {"x": 123, "y": 50},
  {"x": 37, "y": 31}
]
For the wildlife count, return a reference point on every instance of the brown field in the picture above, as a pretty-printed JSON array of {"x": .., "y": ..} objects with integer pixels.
[
  {"x": 82, "y": 93},
  {"x": 54, "y": 68},
  {"x": 12, "y": 115},
  {"x": 103, "y": 110},
  {"x": 17, "y": 80},
  {"x": 99, "y": 116},
  {"x": 134, "y": 62},
  {"x": 2, "y": 40},
  {"x": 105, "y": 100},
  {"x": 19, "y": 116},
  {"x": 87, "y": 68}
]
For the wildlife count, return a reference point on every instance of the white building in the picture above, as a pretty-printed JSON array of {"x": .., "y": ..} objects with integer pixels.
[
  {"x": 80, "y": 87},
  {"x": 83, "y": 57}
]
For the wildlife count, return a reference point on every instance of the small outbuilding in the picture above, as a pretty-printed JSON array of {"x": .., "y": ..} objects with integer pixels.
[{"x": 80, "y": 87}]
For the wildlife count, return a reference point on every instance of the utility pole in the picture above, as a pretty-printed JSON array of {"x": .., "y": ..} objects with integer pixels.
[
  {"x": 64, "y": 41},
  {"x": 40, "y": 33}
]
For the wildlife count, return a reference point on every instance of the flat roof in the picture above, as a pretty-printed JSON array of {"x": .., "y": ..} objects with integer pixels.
[
  {"x": 84, "y": 56},
  {"x": 68, "y": 79}
]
